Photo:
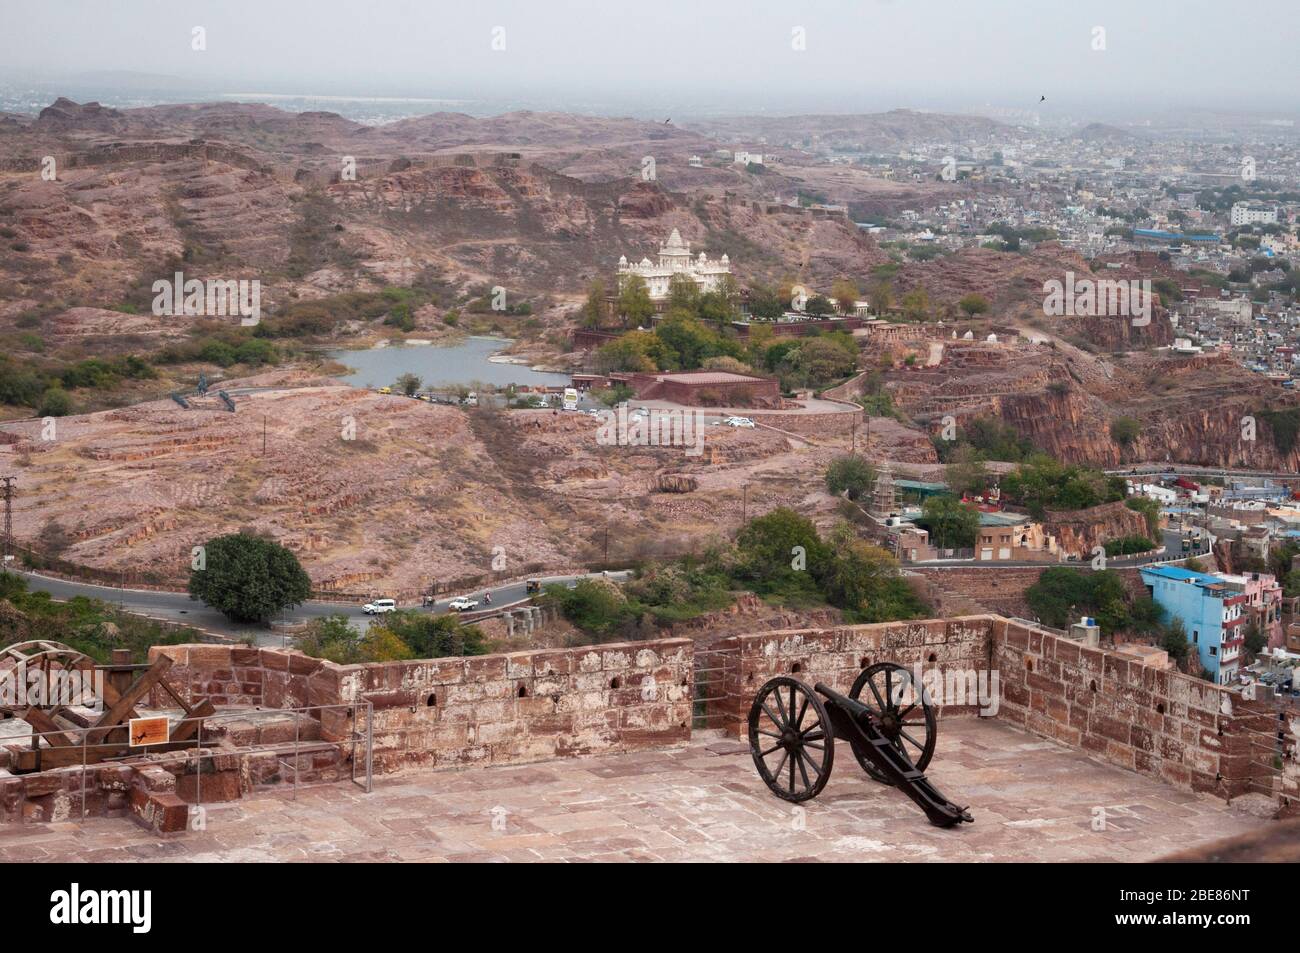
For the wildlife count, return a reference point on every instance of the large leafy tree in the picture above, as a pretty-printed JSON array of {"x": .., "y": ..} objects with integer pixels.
[
  {"x": 863, "y": 579},
  {"x": 845, "y": 294},
  {"x": 951, "y": 523},
  {"x": 634, "y": 304},
  {"x": 249, "y": 578},
  {"x": 593, "y": 309},
  {"x": 771, "y": 546},
  {"x": 683, "y": 292},
  {"x": 852, "y": 473}
]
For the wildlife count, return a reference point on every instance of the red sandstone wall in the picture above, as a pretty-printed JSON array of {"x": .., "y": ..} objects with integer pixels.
[
  {"x": 1156, "y": 722},
  {"x": 836, "y": 656},
  {"x": 811, "y": 425},
  {"x": 1002, "y": 591},
  {"x": 489, "y": 709}
]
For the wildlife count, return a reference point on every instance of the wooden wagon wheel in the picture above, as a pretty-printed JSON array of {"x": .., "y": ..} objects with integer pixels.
[
  {"x": 903, "y": 714},
  {"x": 791, "y": 739}
]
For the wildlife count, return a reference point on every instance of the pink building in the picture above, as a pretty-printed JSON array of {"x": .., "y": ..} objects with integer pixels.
[{"x": 1263, "y": 605}]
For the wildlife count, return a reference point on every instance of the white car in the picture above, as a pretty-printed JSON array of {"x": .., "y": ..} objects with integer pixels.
[
  {"x": 462, "y": 604},
  {"x": 739, "y": 422},
  {"x": 379, "y": 607}
]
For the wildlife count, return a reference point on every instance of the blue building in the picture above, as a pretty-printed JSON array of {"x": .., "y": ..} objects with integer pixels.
[{"x": 1210, "y": 609}]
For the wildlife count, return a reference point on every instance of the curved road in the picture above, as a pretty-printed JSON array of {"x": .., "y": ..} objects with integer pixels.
[{"x": 180, "y": 607}]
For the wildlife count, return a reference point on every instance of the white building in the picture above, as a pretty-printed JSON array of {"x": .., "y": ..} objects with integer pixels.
[
  {"x": 744, "y": 158},
  {"x": 1244, "y": 213},
  {"x": 675, "y": 259}
]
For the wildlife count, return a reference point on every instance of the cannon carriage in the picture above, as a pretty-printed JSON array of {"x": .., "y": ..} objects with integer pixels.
[{"x": 891, "y": 729}]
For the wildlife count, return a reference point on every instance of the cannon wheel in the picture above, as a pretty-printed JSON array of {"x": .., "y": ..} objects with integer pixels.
[
  {"x": 791, "y": 739},
  {"x": 908, "y": 721}
]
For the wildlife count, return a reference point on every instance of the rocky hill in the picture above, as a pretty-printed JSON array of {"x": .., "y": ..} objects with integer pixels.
[{"x": 248, "y": 191}]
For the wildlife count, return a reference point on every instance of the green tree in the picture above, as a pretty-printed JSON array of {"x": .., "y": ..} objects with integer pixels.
[
  {"x": 881, "y": 296},
  {"x": 824, "y": 359},
  {"x": 845, "y": 294},
  {"x": 408, "y": 384},
  {"x": 1255, "y": 640},
  {"x": 864, "y": 580},
  {"x": 592, "y": 314},
  {"x": 1124, "y": 430},
  {"x": 683, "y": 293},
  {"x": 55, "y": 402},
  {"x": 248, "y": 578},
  {"x": 634, "y": 351},
  {"x": 967, "y": 474},
  {"x": 1150, "y": 510},
  {"x": 634, "y": 304},
  {"x": 771, "y": 546},
  {"x": 951, "y": 523},
  {"x": 819, "y": 306},
  {"x": 973, "y": 304},
  {"x": 850, "y": 473},
  {"x": 764, "y": 303},
  {"x": 916, "y": 304},
  {"x": 593, "y": 605},
  {"x": 436, "y": 636},
  {"x": 1174, "y": 641}
]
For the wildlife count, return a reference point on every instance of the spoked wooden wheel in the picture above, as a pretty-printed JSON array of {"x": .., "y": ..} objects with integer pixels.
[
  {"x": 791, "y": 739},
  {"x": 903, "y": 713}
]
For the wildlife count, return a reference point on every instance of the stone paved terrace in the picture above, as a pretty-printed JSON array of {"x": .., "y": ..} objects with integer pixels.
[{"x": 1032, "y": 800}]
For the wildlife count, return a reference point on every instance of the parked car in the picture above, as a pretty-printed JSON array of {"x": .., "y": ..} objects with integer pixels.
[
  {"x": 379, "y": 607},
  {"x": 739, "y": 422},
  {"x": 462, "y": 604}
]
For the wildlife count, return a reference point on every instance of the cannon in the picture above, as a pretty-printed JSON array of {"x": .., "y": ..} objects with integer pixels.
[{"x": 892, "y": 732}]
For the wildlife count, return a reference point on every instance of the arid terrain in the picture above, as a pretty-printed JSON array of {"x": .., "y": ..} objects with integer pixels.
[{"x": 384, "y": 491}]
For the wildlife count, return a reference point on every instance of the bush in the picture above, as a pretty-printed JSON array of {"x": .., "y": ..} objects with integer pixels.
[
  {"x": 255, "y": 352},
  {"x": 851, "y": 474},
  {"x": 55, "y": 402},
  {"x": 592, "y": 605},
  {"x": 1127, "y": 545},
  {"x": 430, "y": 636}
]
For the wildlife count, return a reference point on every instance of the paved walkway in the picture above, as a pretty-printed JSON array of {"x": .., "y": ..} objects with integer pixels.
[{"x": 1032, "y": 800}]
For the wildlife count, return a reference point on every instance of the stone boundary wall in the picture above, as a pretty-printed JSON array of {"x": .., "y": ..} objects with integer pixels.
[
  {"x": 451, "y": 712},
  {"x": 811, "y": 425},
  {"x": 1183, "y": 730},
  {"x": 835, "y": 656},
  {"x": 533, "y": 706},
  {"x": 1157, "y": 722}
]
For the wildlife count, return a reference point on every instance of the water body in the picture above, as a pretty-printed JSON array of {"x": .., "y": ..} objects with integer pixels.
[{"x": 460, "y": 364}]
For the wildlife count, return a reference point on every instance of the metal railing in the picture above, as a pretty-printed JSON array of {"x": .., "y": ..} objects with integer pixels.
[{"x": 359, "y": 737}]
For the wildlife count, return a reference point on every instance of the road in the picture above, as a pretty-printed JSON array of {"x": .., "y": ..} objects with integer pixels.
[
  {"x": 180, "y": 607},
  {"x": 1191, "y": 470}
]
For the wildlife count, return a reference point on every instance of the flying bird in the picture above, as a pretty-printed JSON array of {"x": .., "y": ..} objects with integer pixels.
[
  {"x": 1042, "y": 99},
  {"x": 668, "y": 120}
]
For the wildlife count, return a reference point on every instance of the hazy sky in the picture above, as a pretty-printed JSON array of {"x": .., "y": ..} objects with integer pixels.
[{"x": 701, "y": 54}]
